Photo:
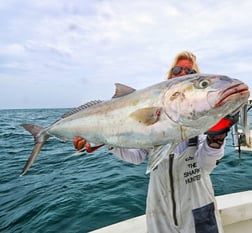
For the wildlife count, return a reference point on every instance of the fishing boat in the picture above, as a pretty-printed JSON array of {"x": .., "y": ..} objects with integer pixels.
[{"x": 235, "y": 211}]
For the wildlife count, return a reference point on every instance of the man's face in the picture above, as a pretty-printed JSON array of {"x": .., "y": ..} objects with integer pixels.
[{"x": 181, "y": 68}]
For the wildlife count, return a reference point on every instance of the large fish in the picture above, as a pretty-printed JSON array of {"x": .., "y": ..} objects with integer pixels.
[{"x": 166, "y": 113}]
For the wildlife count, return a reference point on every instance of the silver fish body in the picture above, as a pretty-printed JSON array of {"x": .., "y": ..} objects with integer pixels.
[{"x": 166, "y": 113}]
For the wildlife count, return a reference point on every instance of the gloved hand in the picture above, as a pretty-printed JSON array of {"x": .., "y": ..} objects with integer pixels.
[
  {"x": 216, "y": 141},
  {"x": 223, "y": 126},
  {"x": 79, "y": 143},
  {"x": 217, "y": 134}
]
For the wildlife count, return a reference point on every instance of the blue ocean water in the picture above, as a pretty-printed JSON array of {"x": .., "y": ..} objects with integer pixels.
[{"x": 66, "y": 193}]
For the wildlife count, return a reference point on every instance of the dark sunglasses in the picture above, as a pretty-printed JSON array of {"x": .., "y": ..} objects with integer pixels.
[{"x": 178, "y": 69}]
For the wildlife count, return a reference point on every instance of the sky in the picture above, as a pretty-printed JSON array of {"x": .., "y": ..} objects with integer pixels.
[{"x": 61, "y": 53}]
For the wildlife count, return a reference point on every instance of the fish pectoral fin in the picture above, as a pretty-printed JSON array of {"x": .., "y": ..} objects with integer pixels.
[
  {"x": 158, "y": 154},
  {"x": 147, "y": 116}
]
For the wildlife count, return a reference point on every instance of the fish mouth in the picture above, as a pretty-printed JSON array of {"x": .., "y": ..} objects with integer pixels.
[{"x": 235, "y": 91}]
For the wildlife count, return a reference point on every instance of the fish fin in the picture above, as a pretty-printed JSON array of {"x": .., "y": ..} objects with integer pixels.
[
  {"x": 122, "y": 90},
  {"x": 34, "y": 130},
  {"x": 32, "y": 157},
  {"x": 40, "y": 138},
  {"x": 80, "y": 108},
  {"x": 147, "y": 116},
  {"x": 158, "y": 154}
]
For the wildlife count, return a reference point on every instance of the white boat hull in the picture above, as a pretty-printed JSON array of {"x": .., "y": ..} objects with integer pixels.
[{"x": 235, "y": 210}]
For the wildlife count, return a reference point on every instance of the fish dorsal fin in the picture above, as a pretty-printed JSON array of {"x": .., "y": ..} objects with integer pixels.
[
  {"x": 122, "y": 90},
  {"x": 147, "y": 116},
  {"x": 83, "y": 106}
]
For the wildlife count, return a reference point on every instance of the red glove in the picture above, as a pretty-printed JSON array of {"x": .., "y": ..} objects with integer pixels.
[
  {"x": 217, "y": 134},
  {"x": 79, "y": 143},
  {"x": 223, "y": 126}
]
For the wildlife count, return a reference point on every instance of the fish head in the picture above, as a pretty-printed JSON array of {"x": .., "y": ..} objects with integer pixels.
[{"x": 199, "y": 101}]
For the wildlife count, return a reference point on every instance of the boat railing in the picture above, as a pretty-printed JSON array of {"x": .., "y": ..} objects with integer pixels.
[{"x": 241, "y": 131}]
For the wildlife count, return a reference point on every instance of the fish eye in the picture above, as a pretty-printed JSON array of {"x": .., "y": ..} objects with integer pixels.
[{"x": 203, "y": 83}]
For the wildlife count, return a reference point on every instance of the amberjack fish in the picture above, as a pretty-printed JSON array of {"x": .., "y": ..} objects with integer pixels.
[{"x": 157, "y": 117}]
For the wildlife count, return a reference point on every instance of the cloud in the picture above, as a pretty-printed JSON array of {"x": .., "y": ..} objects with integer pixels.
[
  {"x": 86, "y": 46},
  {"x": 14, "y": 49}
]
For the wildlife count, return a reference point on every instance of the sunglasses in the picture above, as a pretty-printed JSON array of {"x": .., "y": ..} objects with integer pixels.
[{"x": 178, "y": 69}]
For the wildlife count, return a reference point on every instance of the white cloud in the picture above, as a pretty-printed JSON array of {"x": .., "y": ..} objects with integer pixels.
[
  {"x": 92, "y": 44},
  {"x": 14, "y": 49}
]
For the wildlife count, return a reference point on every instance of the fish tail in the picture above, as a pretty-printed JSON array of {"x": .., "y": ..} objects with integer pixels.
[
  {"x": 40, "y": 138},
  {"x": 35, "y": 130}
]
